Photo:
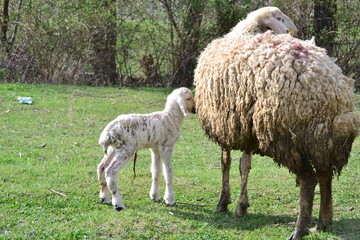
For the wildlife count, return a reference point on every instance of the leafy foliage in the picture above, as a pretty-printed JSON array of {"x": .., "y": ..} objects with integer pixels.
[{"x": 103, "y": 42}]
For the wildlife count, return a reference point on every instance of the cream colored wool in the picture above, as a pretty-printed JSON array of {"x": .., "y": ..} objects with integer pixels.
[{"x": 277, "y": 96}]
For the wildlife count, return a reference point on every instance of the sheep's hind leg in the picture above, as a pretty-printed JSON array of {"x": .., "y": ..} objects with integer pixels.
[
  {"x": 111, "y": 172},
  {"x": 155, "y": 172},
  {"x": 326, "y": 204},
  {"x": 243, "y": 203},
  {"x": 104, "y": 193},
  {"x": 307, "y": 182},
  {"x": 225, "y": 198}
]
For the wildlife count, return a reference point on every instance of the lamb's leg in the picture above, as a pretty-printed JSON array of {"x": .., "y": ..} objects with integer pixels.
[
  {"x": 111, "y": 172},
  {"x": 307, "y": 182},
  {"x": 168, "y": 175},
  {"x": 155, "y": 172},
  {"x": 243, "y": 203},
  {"x": 326, "y": 204},
  {"x": 225, "y": 198},
  {"x": 104, "y": 190}
]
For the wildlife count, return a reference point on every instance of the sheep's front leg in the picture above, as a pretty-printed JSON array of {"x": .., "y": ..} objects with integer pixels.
[
  {"x": 155, "y": 172},
  {"x": 243, "y": 203},
  {"x": 111, "y": 172},
  {"x": 326, "y": 204},
  {"x": 225, "y": 198},
  {"x": 307, "y": 182},
  {"x": 168, "y": 175},
  {"x": 104, "y": 190}
]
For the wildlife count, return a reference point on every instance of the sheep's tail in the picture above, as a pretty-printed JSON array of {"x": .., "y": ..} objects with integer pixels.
[
  {"x": 134, "y": 166},
  {"x": 347, "y": 124}
]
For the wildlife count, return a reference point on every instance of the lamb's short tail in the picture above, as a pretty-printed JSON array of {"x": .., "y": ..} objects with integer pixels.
[{"x": 104, "y": 140}]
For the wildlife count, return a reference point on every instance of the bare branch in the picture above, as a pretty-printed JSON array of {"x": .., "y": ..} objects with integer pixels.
[{"x": 58, "y": 193}]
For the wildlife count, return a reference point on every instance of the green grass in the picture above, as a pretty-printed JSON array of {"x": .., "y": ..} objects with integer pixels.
[{"x": 52, "y": 144}]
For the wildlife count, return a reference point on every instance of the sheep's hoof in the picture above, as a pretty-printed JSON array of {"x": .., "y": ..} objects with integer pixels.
[
  {"x": 221, "y": 209},
  {"x": 117, "y": 208},
  {"x": 298, "y": 234},
  {"x": 156, "y": 200},
  {"x": 322, "y": 225},
  {"x": 241, "y": 210},
  {"x": 170, "y": 205}
]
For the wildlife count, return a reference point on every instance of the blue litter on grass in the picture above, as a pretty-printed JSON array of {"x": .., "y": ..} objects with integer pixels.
[{"x": 26, "y": 100}]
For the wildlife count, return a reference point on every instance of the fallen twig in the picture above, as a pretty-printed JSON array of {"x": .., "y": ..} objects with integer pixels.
[
  {"x": 59, "y": 193},
  {"x": 198, "y": 205}
]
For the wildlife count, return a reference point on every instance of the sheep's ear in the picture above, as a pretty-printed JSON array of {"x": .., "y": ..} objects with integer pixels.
[
  {"x": 275, "y": 25},
  {"x": 180, "y": 101},
  {"x": 281, "y": 24}
]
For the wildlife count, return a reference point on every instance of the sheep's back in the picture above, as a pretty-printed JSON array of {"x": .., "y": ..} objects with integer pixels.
[{"x": 277, "y": 96}]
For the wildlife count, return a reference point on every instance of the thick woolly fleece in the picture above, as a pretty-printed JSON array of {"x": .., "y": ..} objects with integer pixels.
[{"x": 278, "y": 96}]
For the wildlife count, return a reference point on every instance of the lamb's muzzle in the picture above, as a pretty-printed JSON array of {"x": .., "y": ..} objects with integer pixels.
[{"x": 125, "y": 135}]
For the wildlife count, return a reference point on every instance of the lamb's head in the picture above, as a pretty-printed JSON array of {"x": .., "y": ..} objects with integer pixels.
[
  {"x": 181, "y": 99},
  {"x": 271, "y": 18}
]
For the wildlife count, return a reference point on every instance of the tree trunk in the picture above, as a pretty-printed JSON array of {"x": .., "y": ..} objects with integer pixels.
[
  {"x": 4, "y": 24},
  {"x": 325, "y": 23},
  {"x": 104, "y": 47}
]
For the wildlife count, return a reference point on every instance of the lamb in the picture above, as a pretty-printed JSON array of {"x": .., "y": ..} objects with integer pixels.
[
  {"x": 125, "y": 135},
  {"x": 281, "y": 97}
]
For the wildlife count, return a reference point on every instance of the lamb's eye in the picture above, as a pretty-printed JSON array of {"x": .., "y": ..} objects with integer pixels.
[{"x": 281, "y": 20}]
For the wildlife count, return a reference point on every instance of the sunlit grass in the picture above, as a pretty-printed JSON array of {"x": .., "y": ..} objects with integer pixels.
[{"x": 52, "y": 145}]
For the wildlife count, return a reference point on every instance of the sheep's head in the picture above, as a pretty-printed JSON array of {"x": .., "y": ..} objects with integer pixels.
[
  {"x": 182, "y": 97},
  {"x": 271, "y": 18}
]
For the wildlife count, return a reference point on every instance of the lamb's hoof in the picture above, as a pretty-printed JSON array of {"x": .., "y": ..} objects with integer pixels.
[
  {"x": 298, "y": 234},
  {"x": 104, "y": 201},
  {"x": 170, "y": 205},
  {"x": 156, "y": 200},
  {"x": 117, "y": 208}
]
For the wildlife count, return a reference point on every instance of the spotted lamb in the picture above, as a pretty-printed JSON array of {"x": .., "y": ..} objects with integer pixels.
[{"x": 127, "y": 134}]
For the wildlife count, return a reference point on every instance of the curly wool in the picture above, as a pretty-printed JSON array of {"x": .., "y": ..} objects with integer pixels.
[{"x": 277, "y": 96}]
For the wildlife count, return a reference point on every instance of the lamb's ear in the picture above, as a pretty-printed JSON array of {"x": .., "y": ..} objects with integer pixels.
[{"x": 180, "y": 101}]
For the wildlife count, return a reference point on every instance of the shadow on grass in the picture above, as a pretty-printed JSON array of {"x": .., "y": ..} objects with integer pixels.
[
  {"x": 228, "y": 220},
  {"x": 344, "y": 228}
]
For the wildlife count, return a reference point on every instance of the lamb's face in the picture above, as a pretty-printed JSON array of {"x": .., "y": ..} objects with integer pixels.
[
  {"x": 189, "y": 102},
  {"x": 184, "y": 99}
]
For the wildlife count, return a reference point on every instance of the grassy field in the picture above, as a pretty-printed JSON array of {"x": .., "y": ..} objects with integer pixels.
[{"x": 51, "y": 145}]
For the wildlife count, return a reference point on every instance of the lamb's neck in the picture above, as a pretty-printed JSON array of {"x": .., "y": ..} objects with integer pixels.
[{"x": 176, "y": 116}]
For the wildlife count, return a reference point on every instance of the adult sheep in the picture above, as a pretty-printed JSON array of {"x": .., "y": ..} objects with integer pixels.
[{"x": 282, "y": 97}]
